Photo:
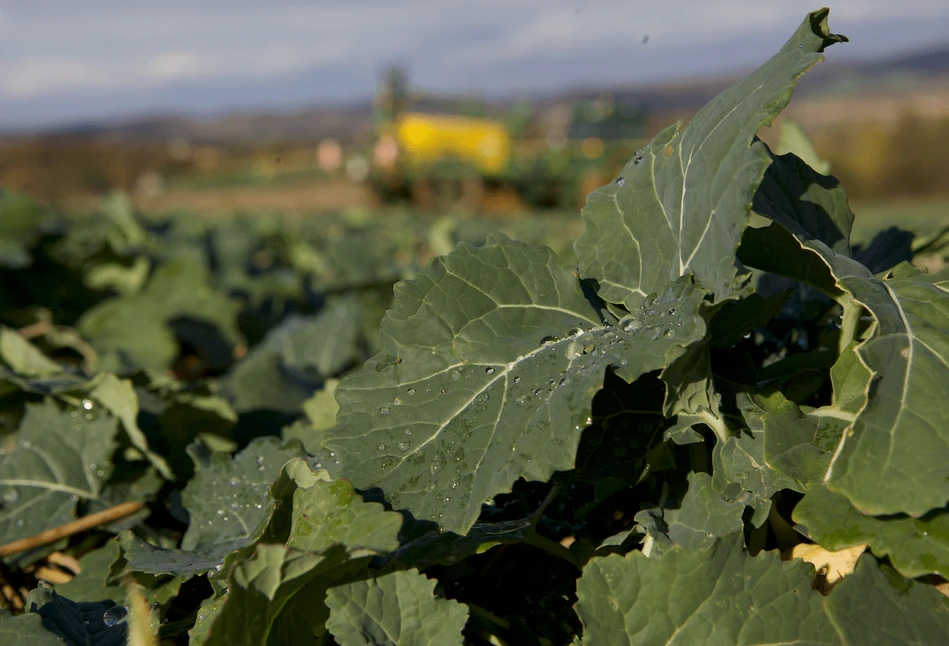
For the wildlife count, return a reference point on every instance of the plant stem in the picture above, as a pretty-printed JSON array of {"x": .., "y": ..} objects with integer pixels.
[
  {"x": 73, "y": 527},
  {"x": 551, "y": 547}
]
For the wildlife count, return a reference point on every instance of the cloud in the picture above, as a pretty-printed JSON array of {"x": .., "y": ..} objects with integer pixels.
[{"x": 64, "y": 49}]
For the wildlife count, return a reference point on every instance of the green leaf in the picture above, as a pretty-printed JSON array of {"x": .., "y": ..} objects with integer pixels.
[
  {"x": 90, "y": 583},
  {"x": 795, "y": 140},
  {"x": 398, "y": 609},
  {"x": 719, "y": 595},
  {"x": 851, "y": 381},
  {"x": 736, "y": 319},
  {"x": 490, "y": 360},
  {"x": 743, "y": 463},
  {"x": 796, "y": 445},
  {"x": 207, "y": 614},
  {"x": 330, "y": 512},
  {"x": 321, "y": 410},
  {"x": 22, "y": 222},
  {"x": 260, "y": 588},
  {"x": 806, "y": 203},
  {"x": 874, "y": 605},
  {"x": 681, "y": 204},
  {"x": 119, "y": 398},
  {"x": 230, "y": 506},
  {"x": 23, "y": 357},
  {"x": 133, "y": 331},
  {"x": 890, "y": 461},
  {"x": 61, "y": 457},
  {"x": 916, "y": 546},
  {"x": 702, "y": 516},
  {"x": 25, "y": 630},
  {"x": 295, "y": 357},
  {"x": 446, "y": 548}
]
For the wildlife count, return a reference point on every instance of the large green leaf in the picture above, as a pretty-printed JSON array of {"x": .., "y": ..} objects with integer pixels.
[
  {"x": 61, "y": 457},
  {"x": 891, "y": 460},
  {"x": 915, "y": 546},
  {"x": 874, "y": 605},
  {"x": 715, "y": 596},
  {"x": 398, "y": 609},
  {"x": 680, "y": 205},
  {"x": 491, "y": 357}
]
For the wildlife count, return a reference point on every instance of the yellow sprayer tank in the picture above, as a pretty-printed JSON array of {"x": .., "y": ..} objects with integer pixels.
[{"x": 427, "y": 138}]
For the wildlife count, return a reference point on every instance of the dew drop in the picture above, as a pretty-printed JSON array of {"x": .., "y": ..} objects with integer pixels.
[
  {"x": 87, "y": 404},
  {"x": 220, "y": 512},
  {"x": 234, "y": 482},
  {"x": 456, "y": 375},
  {"x": 548, "y": 340},
  {"x": 19, "y": 522},
  {"x": 113, "y": 616},
  {"x": 637, "y": 160},
  {"x": 667, "y": 333},
  {"x": 620, "y": 181},
  {"x": 408, "y": 431},
  {"x": 381, "y": 447},
  {"x": 396, "y": 401},
  {"x": 403, "y": 446},
  {"x": 489, "y": 371},
  {"x": 517, "y": 380},
  {"x": 384, "y": 412},
  {"x": 410, "y": 391},
  {"x": 11, "y": 495}
]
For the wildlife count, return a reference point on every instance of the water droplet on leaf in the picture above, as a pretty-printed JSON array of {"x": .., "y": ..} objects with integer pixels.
[{"x": 383, "y": 412}]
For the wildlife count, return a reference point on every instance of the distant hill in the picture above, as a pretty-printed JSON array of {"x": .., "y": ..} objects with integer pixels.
[{"x": 352, "y": 122}]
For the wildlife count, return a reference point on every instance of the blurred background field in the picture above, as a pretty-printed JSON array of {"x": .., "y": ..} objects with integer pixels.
[{"x": 295, "y": 141}]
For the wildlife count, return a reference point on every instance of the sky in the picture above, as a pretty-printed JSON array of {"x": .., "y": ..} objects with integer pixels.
[{"x": 68, "y": 61}]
